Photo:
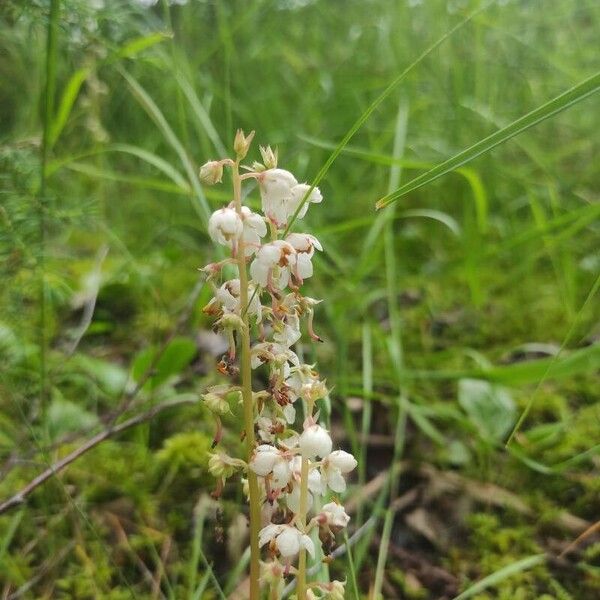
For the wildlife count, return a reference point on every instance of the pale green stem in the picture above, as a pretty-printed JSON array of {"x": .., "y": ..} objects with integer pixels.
[
  {"x": 246, "y": 373},
  {"x": 301, "y": 576}
]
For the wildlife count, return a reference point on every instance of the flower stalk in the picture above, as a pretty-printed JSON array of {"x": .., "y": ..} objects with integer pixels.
[
  {"x": 246, "y": 375},
  {"x": 287, "y": 465}
]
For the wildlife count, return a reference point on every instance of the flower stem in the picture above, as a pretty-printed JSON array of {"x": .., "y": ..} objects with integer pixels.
[
  {"x": 246, "y": 372},
  {"x": 301, "y": 576}
]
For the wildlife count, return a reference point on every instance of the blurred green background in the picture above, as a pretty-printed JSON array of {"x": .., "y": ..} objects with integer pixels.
[{"x": 446, "y": 315}]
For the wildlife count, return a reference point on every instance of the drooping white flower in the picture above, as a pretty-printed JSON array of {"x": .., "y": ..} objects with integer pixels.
[
  {"x": 263, "y": 460},
  {"x": 225, "y": 226},
  {"x": 277, "y": 354},
  {"x": 342, "y": 460},
  {"x": 287, "y": 540},
  {"x": 271, "y": 266},
  {"x": 287, "y": 330},
  {"x": 334, "y": 466},
  {"x": 228, "y": 298},
  {"x": 281, "y": 195},
  {"x": 268, "y": 460},
  {"x": 334, "y": 514},
  {"x": 298, "y": 193},
  {"x": 315, "y": 441},
  {"x": 254, "y": 229},
  {"x": 304, "y": 244},
  {"x": 276, "y": 194},
  {"x": 292, "y": 499}
]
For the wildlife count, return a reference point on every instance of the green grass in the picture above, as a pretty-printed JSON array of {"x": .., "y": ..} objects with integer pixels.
[{"x": 454, "y": 114}]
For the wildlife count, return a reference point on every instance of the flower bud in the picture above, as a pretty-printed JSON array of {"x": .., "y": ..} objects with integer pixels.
[
  {"x": 336, "y": 590},
  {"x": 241, "y": 143},
  {"x": 211, "y": 172},
  {"x": 231, "y": 321},
  {"x": 221, "y": 465},
  {"x": 216, "y": 399},
  {"x": 315, "y": 441},
  {"x": 271, "y": 573},
  {"x": 269, "y": 157}
]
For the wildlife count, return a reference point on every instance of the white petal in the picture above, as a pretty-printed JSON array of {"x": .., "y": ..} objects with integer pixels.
[
  {"x": 336, "y": 481},
  {"x": 344, "y": 461},
  {"x": 304, "y": 266},
  {"x": 281, "y": 473},
  {"x": 266, "y": 534},
  {"x": 288, "y": 541},
  {"x": 259, "y": 273},
  {"x": 308, "y": 544},
  {"x": 289, "y": 412}
]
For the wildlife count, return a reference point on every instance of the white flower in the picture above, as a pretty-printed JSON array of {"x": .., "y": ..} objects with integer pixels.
[
  {"x": 287, "y": 331},
  {"x": 315, "y": 483},
  {"x": 271, "y": 266},
  {"x": 228, "y": 297},
  {"x": 268, "y": 460},
  {"x": 298, "y": 193},
  {"x": 315, "y": 441},
  {"x": 342, "y": 460},
  {"x": 304, "y": 244},
  {"x": 287, "y": 539},
  {"x": 254, "y": 229},
  {"x": 334, "y": 514},
  {"x": 334, "y": 465},
  {"x": 263, "y": 460},
  {"x": 225, "y": 226},
  {"x": 292, "y": 499},
  {"x": 272, "y": 352},
  {"x": 276, "y": 194},
  {"x": 281, "y": 195}
]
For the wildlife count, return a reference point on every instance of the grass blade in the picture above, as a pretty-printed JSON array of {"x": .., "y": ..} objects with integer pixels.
[
  {"x": 572, "y": 96},
  {"x": 201, "y": 206},
  {"x": 373, "y": 106},
  {"x": 502, "y": 574}
]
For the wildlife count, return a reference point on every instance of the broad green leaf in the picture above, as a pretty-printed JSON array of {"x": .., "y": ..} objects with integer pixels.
[
  {"x": 65, "y": 416},
  {"x": 110, "y": 377},
  {"x": 489, "y": 407},
  {"x": 562, "y": 102}
]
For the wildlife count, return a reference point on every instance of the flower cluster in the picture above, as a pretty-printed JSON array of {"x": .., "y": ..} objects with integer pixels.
[{"x": 290, "y": 469}]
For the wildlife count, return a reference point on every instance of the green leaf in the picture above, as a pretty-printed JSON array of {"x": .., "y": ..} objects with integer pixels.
[
  {"x": 66, "y": 103},
  {"x": 375, "y": 104},
  {"x": 562, "y": 102},
  {"x": 65, "y": 416},
  {"x": 501, "y": 575},
  {"x": 489, "y": 407},
  {"x": 176, "y": 357},
  {"x": 140, "y": 44},
  {"x": 201, "y": 206},
  {"x": 111, "y": 378}
]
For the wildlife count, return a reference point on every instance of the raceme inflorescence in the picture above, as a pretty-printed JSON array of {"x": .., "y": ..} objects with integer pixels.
[{"x": 290, "y": 467}]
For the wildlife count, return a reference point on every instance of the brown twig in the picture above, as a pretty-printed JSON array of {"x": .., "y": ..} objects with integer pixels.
[
  {"x": 591, "y": 530},
  {"x": 20, "y": 497}
]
